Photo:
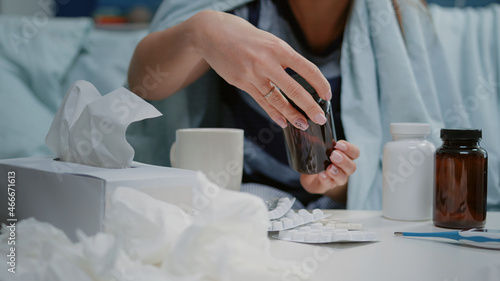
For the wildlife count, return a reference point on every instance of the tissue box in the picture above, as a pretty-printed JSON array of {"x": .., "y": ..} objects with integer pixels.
[{"x": 72, "y": 196}]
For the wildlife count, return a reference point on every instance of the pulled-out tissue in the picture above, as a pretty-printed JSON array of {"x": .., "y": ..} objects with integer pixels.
[
  {"x": 148, "y": 239},
  {"x": 90, "y": 129}
]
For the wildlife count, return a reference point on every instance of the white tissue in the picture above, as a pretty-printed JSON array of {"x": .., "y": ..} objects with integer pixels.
[
  {"x": 146, "y": 226},
  {"x": 227, "y": 240},
  {"x": 152, "y": 240},
  {"x": 38, "y": 239},
  {"x": 90, "y": 129},
  {"x": 46, "y": 254}
]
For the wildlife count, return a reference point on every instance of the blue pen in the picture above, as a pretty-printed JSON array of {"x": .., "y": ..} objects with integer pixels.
[{"x": 484, "y": 238}]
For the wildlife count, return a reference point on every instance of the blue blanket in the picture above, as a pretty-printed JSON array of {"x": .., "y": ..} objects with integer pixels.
[
  {"x": 471, "y": 40},
  {"x": 390, "y": 74}
]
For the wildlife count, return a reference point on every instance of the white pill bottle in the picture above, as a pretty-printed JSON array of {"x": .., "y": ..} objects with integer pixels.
[{"x": 408, "y": 173}]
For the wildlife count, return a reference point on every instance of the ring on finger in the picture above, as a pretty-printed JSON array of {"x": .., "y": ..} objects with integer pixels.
[{"x": 271, "y": 91}]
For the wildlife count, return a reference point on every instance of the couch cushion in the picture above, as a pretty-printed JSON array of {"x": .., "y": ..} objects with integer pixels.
[{"x": 35, "y": 55}]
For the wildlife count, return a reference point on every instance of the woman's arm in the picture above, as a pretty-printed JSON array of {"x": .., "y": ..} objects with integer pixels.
[
  {"x": 243, "y": 55},
  {"x": 166, "y": 61}
]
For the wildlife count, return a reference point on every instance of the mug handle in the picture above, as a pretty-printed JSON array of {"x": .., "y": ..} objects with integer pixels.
[{"x": 173, "y": 152}]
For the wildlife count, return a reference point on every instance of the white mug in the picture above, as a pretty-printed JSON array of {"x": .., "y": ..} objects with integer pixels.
[{"x": 217, "y": 152}]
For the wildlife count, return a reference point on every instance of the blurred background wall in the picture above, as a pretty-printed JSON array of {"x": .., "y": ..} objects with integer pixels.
[
  {"x": 463, "y": 3},
  {"x": 109, "y": 11},
  {"x": 123, "y": 8}
]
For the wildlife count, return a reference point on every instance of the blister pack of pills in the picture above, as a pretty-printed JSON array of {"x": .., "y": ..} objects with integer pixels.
[
  {"x": 312, "y": 226},
  {"x": 318, "y": 232},
  {"x": 294, "y": 219},
  {"x": 279, "y": 207}
]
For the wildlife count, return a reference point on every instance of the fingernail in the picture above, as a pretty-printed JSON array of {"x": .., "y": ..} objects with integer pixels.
[
  {"x": 329, "y": 95},
  {"x": 323, "y": 175},
  {"x": 320, "y": 119},
  {"x": 281, "y": 122},
  {"x": 336, "y": 157},
  {"x": 333, "y": 170},
  {"x": 301, "y": 124},
  {"x": 341, "y": 146}
]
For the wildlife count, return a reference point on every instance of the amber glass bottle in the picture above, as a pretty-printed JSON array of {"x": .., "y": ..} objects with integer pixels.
[{"x": 461, "y": 180}]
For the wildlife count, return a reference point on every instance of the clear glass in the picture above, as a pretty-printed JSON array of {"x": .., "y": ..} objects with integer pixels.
[{"x": 461, "y": 184}]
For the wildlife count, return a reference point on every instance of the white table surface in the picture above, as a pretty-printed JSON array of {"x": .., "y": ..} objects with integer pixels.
[{"x": 391, "y": 258}]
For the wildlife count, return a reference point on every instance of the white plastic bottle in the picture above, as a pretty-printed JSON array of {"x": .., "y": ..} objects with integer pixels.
[{"x": 408, "y": 173}]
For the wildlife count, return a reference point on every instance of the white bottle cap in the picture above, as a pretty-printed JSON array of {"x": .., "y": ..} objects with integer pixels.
[{"x": 410, "y": 129}]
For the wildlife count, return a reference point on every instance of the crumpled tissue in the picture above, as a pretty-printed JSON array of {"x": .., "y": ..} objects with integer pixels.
[
  {"x": 228, "y": 240},
  {"x": 146, "y": 226},
  {"x": 45, "y": 253},
  {"x": 90, "y": 129},
  {"x": 148, "y": 239}
]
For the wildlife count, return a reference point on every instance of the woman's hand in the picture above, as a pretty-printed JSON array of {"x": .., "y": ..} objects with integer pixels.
[
  {"x": 254, "y": 61},
  {"x": 333, "y": 181}
]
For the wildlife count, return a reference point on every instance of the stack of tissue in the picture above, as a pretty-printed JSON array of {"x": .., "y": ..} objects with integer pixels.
[{"x": 148, "y": 239}]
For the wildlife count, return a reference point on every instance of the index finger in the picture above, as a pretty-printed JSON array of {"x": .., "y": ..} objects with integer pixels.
[
  {"x": 299, "y": 95},
  {"x": 311, "y": 73},
  {"x": 349, "y": 149}
]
